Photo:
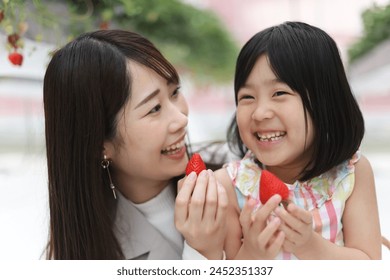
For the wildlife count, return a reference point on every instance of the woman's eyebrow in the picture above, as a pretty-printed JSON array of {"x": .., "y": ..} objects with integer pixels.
[{"x": 147, "y": 98}]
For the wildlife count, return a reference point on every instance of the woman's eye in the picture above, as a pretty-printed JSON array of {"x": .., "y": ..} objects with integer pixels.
[
  {"x": 176, "y": 92},
  {"x": 155, "y": 109}
]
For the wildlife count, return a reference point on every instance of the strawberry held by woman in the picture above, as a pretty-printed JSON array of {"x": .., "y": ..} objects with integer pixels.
[{"x": 195, "y": 164}]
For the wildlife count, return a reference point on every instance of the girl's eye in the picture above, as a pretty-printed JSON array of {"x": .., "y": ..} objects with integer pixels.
[
  {"x": 280, "y": 93},
  {"x": 155, "y": 109},
  {"x": 244, "y": 96}
]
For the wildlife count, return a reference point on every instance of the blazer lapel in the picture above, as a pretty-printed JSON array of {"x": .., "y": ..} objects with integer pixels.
[{"x": 137, "y": 237}]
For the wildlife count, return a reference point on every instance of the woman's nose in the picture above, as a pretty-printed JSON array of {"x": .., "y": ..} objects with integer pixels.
[{"x": 179, "y": 113}]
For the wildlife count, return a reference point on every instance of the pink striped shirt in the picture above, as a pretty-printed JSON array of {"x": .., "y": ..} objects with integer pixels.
[{"x": 324, "y": 196}]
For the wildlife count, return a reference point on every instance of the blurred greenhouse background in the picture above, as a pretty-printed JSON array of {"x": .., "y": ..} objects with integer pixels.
[{"x": 202, "y": 38}]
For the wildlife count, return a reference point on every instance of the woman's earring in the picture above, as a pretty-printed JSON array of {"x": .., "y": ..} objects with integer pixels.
[{"x": 105, "y": 165}]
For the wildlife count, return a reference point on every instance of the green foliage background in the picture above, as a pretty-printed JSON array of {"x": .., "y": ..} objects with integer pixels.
[
  {"x": 376, "y": 29},
  {"x": 193, "y": 39}
]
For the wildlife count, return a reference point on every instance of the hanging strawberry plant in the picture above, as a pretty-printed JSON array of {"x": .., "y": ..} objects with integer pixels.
[
  {"x": 12, "y": 23},
  {"x": 181, "y": 31}
]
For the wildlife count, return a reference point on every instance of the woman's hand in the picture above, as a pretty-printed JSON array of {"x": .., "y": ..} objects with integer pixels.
[
  {"x": 297, "y": 226},
  {"x": 261, "y": 236},
  {"x": 200, "y": 213}
]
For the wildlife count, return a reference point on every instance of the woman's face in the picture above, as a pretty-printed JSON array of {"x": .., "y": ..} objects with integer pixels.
[
  {"x": 271, "y": 122},
  {"x": 151, "y": 129}
]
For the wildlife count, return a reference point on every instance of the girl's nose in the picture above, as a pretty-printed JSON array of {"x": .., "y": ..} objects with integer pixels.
[{"x": 263, "y": 111}]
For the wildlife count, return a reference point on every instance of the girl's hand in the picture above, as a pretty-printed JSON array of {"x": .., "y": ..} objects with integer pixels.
[
  {"x": 297, "y": 226},
  {"x": 200, "y": 213},
  {"x": 261, "y": 239}
]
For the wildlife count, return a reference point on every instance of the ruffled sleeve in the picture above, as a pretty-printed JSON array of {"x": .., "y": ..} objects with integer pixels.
[
  {"x": 337, "y": 183},
  {"x": 245, "y": 176}
]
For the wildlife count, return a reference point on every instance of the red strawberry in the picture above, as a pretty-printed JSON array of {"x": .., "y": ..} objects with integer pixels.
[
  {"x": 270, "y": 185},
  {"x": 15, "y": 58},
  {"x": 195, "y": 164}
]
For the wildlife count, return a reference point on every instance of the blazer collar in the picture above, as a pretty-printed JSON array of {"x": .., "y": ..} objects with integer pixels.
[{"x": 137, "y": 237}]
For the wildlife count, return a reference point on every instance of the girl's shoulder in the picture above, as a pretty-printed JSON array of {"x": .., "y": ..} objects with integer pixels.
[
  {"x": 344, "y": 169},
  {"x": 335, "y": 184},
  {"x": 244, "y": 175},
  {"x": 246, "y": 168}
]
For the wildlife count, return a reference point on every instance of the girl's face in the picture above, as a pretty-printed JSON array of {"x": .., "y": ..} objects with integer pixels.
[
  {"x": 149, "y": 148},
  {"x": 271, "y": 122}
]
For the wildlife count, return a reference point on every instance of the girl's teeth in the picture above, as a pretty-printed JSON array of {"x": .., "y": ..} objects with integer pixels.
[{"x": 271, "y": 137}]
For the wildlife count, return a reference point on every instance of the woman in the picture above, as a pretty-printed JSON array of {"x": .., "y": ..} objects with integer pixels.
[{"x": 115, "y": 141}]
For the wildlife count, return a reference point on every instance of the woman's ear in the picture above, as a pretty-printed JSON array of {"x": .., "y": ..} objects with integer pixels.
[{"x": 108, "y": 150}]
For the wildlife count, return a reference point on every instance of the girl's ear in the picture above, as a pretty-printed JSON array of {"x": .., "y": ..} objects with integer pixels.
[{"x": 108, "y": 149}]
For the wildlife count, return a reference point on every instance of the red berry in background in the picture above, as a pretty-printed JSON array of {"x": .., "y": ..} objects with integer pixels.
[
  {"x": 1, "y": 15},
  {"x": 271, "y": 185},
  {"x": 16, "y": 58},
  {"x": 13, "y": 39},
  {"x": 195, "y": 164},
  {"x": 104, "y": 25}
]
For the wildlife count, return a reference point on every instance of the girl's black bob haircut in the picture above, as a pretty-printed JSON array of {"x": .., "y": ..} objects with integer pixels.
[{"x": 307, "y": 59}]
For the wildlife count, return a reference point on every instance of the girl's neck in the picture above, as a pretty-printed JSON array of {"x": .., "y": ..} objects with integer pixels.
[
  {"x": 141, "y": 190},
  {"x": 287, "y": 175},
  {"x": 290, "y": 172}
]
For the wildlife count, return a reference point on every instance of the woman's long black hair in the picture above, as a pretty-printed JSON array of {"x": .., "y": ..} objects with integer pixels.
[{"x": 86, "y": 84}]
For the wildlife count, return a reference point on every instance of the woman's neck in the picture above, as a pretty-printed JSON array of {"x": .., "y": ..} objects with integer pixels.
[{"x": 140, "y": 190}]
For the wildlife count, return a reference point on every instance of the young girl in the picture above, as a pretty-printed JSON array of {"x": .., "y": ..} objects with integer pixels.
[
  {"x": 297, "y": 118},
  {"x": 115, "y": 141}
]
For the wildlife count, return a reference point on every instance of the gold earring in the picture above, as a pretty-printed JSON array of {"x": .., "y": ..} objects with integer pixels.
[{"x": 105, "y": 164}]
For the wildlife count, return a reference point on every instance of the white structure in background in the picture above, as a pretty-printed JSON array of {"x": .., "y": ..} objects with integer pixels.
[
  {"x": 21, "y": 87},
  {"x": 370, "y": 80},
  {"x": 371, "y": 73},
  {"x": 23, "y": 186}
]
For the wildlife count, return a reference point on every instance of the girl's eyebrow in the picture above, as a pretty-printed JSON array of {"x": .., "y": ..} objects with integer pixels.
[
  {"x": 268, "y": 82},
  {"x": 148, "y": 98},
  {"x": 276, "y": 81}
]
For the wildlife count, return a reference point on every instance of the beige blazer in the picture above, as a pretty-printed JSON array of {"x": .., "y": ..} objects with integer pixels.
[{"x": 139, "y": 240}]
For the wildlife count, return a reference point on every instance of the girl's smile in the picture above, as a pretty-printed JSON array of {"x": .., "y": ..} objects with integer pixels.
[{"x": 270, "y": 136}]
